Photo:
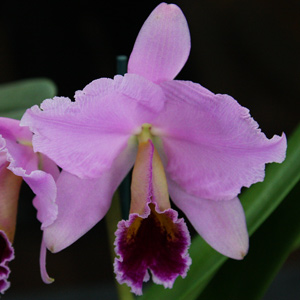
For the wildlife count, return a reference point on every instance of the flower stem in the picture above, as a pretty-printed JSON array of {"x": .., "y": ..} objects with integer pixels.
[{"x": 121, "y": 64}]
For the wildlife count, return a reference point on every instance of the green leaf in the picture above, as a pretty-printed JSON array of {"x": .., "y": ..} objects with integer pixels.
[
  {"x": 17, "y": 96},
  {"x": 270, "y": 246},
  {"x": 259, "y": 202}
]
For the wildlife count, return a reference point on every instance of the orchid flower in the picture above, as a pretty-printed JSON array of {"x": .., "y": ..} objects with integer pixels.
[
  {"x": 17, "y": 161},
  {"x": 182, "y": 139}
]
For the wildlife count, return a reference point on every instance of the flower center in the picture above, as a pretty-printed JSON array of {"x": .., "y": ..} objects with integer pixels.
[
  {"x": 25, "y": 143},
  {"x": 145, "y": 133}
]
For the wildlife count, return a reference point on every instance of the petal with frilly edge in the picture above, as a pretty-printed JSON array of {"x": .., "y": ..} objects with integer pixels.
[
  {"x": 9, "y": 195},
  {"x": 15, "y": 143},
  {"x": 44, "y": 186},
  {"x": 158, "y": 242},
  {"x": 6, "y": 255},
  {"x": 153, "y": 238},
  {"x": 162, "y": 46},
  {"x": 221, "y": 224},
  {"x": 212, "y": 145},
  {"x": 84, "y": 202},
  {"x": 85, "y": 137}
]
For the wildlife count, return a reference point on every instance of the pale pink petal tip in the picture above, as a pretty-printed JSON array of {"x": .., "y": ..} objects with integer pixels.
[
  {"x": 222, "y": 224},
  {"x": 6, "y": 255},
  {"x": 162, "y": 46},
  {"x": 157, "y": 243}
]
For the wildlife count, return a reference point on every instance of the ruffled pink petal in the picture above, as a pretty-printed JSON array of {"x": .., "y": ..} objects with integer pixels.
[
  {"x": 158, "y": 242},
  {"x": 84, "y": 202},
  {"x": 6, "y": 255},
  {"x": 162, "y": 46},
  {"x": 212, "y": 145},
  {"x": 222, "y": 224},
  {"x": 135, "y": 88},
  {"x": 15, "y": 144},
  {"x": 43, "y": 185},
  {"x": 85, "y": 137},
  {"x": 12, "y": 140}
]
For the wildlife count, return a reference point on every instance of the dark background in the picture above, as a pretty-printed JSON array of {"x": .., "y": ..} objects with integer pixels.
[{"x": 248, "y": 49}]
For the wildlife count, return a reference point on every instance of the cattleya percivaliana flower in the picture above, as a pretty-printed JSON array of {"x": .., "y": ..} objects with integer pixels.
[
  {"x": 17, "y": 161},
  {"x": 183, "y": 140}
]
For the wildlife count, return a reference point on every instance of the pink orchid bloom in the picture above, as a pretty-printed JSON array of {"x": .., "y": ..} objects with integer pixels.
[
  {"x": 182, "y": 139},
  {"x": 17, "y": 161}
]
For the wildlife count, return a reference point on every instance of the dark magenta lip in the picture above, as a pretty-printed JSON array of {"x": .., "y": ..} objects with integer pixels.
[{"x": 159, "y": 244}]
